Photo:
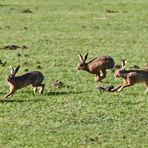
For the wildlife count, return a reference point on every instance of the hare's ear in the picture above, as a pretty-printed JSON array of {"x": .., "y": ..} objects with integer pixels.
[
  {"x": 123, "y": 63},
  {"x": 85, "y": 57},
  {"x": 80, "y": 57},
  {"x": 11, "y": 70},
  {"x": 16, "y": 69}
]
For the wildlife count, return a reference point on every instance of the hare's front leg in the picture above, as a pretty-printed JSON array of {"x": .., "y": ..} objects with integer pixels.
[
  {"x": 10, "y": 93},
  {"x": 97, "y": 77},
  {"x": 103, "y": 73},
  {"x": 123, "y": 86},
  {"x": 129, "y": 82},
  {"x": 116, "y": 88}
]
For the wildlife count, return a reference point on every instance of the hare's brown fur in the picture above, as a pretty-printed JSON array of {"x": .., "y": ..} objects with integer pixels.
[
  {"x": 131, "y": 77},
  {"x": 96, "y": 66},
  {"x": 34, "y": 78}
]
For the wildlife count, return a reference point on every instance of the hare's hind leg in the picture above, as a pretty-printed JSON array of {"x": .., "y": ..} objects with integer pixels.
[
  {"x": 38, "y": 87},
  {"x": 42, "y": 88},
  {"x": 35, "y": 89}
]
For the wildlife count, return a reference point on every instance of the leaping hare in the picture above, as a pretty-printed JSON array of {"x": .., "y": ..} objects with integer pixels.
[
  {"x": 96, "y": 66},
  {"x": 34, "y": 78},
  {"x": 131, "y": 77}
]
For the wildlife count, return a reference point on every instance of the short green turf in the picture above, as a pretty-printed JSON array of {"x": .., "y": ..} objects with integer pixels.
[{"x": 76, "y": 115}]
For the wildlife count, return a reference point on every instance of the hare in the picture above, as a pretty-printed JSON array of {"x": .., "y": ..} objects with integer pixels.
[
  {"x": 131, "y": 77},
  {"x": 96, "y": 66},
  {"x": 34, "y": 78}
]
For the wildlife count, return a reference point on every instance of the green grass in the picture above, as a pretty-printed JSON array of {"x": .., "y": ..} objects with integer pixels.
[{"x": 79, "y": 115}]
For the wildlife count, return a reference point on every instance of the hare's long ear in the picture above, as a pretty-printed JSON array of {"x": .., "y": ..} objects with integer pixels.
[
  {"x": 16, "y": 69},
  {"x": 123, "y": 63},
  {"x": 11, "y": 70},
  {"x": 85, "y": 57},
  {"x": 80, "y": 57}
]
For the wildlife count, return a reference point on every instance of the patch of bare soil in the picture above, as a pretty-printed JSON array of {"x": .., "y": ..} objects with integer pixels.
[
  {"x": 27, "y": 11},
  {"x": 13, "y": 47}
]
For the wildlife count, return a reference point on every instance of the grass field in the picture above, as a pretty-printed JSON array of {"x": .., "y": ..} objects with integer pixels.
[{"x": 78, "y": 115}]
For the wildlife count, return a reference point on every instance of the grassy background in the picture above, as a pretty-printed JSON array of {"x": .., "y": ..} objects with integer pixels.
[{"x": 76, "y": 116}]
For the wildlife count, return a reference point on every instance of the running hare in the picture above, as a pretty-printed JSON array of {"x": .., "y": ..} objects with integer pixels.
[
  {"x": 131, "y": 77},
  {"x": 34, "y": 78},
  {"x": 95, "y": 66}
]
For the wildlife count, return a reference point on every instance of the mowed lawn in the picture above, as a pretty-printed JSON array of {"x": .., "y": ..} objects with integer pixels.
[{"x": 76, "y": 115}]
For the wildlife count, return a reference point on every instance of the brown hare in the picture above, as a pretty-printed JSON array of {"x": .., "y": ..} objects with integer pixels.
[
  {"x": 96, "y": 66},
  {"x": 34, "y": 78},
  {"x": 131, "y": 77}
]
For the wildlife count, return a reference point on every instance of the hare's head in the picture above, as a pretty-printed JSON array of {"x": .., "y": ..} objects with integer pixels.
[
  {"x": 13, "y": 71},
  {"x": 121, "y": 71},
  {"x": 82, "y": 65}
]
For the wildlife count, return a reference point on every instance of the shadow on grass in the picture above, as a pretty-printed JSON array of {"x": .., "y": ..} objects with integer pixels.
[
  {"x": 19, "y": 101},
  {"x": 54, "y": 93},
  {"x": 4, "y": 5}
]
